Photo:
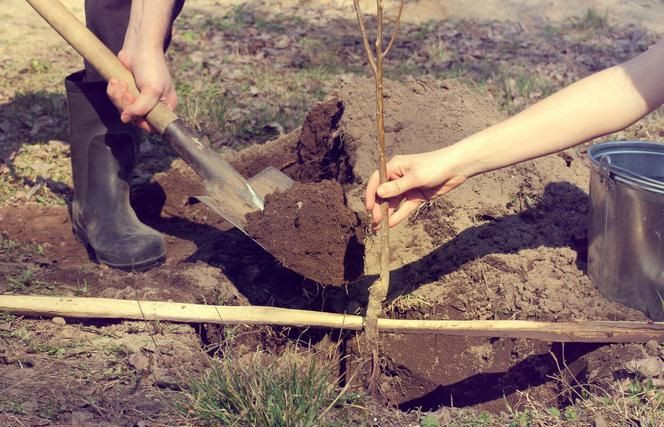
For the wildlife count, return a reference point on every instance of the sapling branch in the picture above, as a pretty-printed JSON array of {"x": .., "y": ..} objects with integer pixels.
[
  {"x": 365, "y": 39},
  {"x": 395, "y": 31}
]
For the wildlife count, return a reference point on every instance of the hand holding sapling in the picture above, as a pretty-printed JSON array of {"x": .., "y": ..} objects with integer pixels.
[{"x": 413, "y": 180}]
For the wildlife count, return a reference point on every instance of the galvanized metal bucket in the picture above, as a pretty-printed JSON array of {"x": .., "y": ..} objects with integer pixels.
[{"x": 626, "y": 230}]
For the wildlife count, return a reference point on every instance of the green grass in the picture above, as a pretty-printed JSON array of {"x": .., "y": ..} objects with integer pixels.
[
  {"x": 285, "y": 392},
  {"x": 518, "y": 89},
  {"x": 26, "y": 281},
  {"x": 254, "y": 107},
  {"x": 637, "y": 402},
  {"x": 244, "y": 16},
  {"x": 593, "y": 19},
  {"x": 10, "y": 407}
]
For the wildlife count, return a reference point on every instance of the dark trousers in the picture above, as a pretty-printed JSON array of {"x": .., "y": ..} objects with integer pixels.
[{"x": 108, "y": 20}]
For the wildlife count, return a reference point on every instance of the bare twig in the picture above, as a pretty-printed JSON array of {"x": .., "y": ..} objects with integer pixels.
[
  {"x": 396, "y": 30},
  {"x": 365, "y": 39}
]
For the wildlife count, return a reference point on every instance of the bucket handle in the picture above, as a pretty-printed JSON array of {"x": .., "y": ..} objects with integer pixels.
[{"x": 606, "y": 168}]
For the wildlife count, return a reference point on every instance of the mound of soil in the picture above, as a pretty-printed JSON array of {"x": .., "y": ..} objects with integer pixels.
[
  {"x": 420, "y": 115},
  {"x": 520, "y": 232},
  {"x": 311, "y": 231}
]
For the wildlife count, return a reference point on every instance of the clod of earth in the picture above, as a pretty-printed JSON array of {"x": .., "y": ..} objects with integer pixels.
[{"x": 310, "y": 230}]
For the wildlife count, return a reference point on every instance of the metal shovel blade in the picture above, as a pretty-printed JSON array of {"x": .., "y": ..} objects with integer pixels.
[
  {"x": 228, "y": 193},
  {"x": 270, "y": 180},
  {"x": 226, "y": 203}
]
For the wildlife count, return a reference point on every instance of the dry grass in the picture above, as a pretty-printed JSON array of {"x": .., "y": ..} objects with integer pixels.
[{"x": 633, "y": 401}]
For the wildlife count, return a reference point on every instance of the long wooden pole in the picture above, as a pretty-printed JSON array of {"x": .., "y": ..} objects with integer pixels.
[{"x": 105, "y": 308}]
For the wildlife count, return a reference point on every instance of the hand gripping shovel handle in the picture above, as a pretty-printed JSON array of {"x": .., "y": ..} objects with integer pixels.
[
  {"x": 96, "y": 53},
  {"x": 205, "y": 161}
]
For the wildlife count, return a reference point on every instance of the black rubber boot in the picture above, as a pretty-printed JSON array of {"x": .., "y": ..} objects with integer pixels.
[{"x": 103, "y": 154}]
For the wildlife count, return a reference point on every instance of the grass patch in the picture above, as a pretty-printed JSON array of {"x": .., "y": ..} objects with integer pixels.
[
  {"x": 633, "y": 401},
  {"x": 243, "y": 16},
  {"x": 259, "y": 104},
  {"x": 515, "y": 89},
  {"x": 10, "y": 407},
  {"x": 292, "y": 390},
  {"x": 592, "y": 20},
  {"x": 26, "y": 281}
]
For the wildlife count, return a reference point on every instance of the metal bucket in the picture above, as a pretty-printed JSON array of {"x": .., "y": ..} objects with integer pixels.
[{"x": 626, "y": 230}]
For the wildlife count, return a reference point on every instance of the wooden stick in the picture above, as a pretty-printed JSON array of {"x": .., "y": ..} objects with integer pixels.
[{"x": 104, "y": 308}]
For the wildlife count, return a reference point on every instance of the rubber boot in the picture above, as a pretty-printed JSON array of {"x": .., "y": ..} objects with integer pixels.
[{"x": 103, "y": 154}]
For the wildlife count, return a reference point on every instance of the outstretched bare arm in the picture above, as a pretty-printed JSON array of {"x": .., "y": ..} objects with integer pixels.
[{"x": 597, "y": 105}]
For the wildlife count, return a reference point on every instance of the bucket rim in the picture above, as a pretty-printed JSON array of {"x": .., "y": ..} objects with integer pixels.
[{"x": 632, "y": 178}]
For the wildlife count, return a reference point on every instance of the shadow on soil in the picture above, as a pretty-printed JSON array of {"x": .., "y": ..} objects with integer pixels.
[
  {"x": 261, "y": 278},
  {"x": 530, "y": 372},
  {"x": 32, "y": 118},
  {"x": 38, "y": 117},
  {"x": 555, "y": 221}
]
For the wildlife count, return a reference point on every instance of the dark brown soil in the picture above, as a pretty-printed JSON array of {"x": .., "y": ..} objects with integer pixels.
[
  {"x": 321, "y": 153},
  {"x": 310, "y": 154},
  {"x": 310, "y": 230},
  {"x": 279, "y": 153}
]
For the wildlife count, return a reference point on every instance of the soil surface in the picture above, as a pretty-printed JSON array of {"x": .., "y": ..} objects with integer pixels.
[
  {"x": 311, "y": 231},
  {"x": 420, "y": 115},
  {"x": 510, "y": 244}
]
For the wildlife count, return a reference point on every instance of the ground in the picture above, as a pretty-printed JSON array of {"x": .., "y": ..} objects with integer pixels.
[{"x": 507, "y": 245}]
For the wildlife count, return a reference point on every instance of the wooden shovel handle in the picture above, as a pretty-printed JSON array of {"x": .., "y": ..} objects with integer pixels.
[{"x": 96, "y": 53}]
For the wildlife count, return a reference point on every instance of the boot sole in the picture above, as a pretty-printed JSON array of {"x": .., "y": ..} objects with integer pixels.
[{"x": 139, "y": 267}]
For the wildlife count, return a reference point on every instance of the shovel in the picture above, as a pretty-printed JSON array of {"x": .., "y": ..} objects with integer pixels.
[{"x": 229, "y": 194}]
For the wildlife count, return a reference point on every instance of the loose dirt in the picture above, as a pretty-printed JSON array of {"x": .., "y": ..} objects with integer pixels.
[
  {"x": 311, "y": 231},
  {"x": 510, "y": 244}
]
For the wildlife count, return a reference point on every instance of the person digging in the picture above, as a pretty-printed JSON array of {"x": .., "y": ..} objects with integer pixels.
[
  {"x": 105, "y": 143},
  {"x": 598, "y": 105}
]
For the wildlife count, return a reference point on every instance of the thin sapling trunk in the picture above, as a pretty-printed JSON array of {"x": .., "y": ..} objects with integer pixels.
[{"x": 378, "y": 291}]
